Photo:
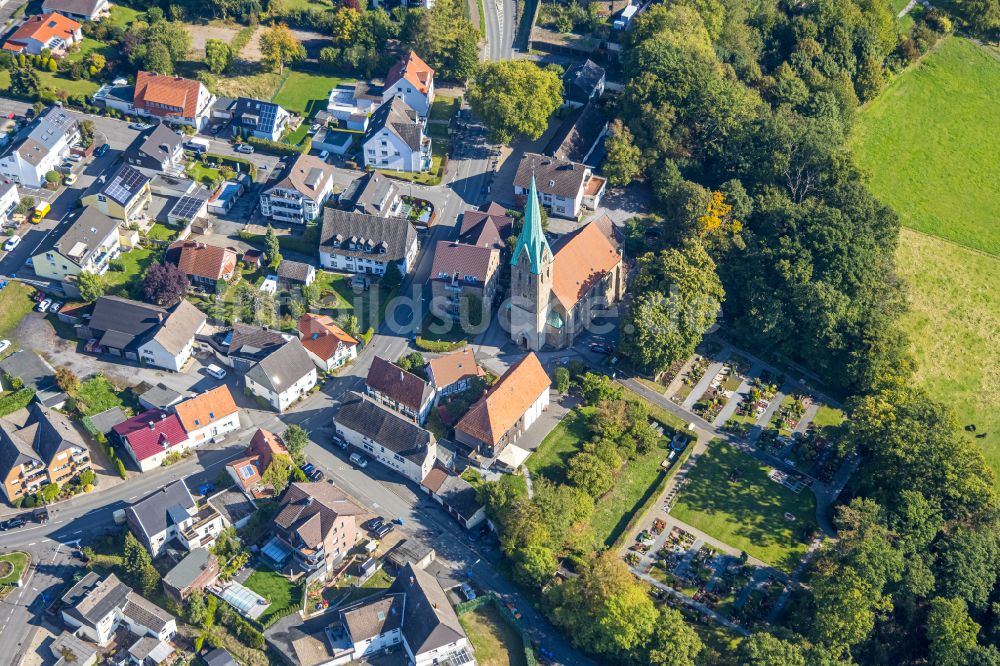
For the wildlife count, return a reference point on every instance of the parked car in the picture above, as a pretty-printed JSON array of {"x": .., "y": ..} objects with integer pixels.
[
  {"x": 339, "y": 441},
  {"x": 216, "y": 371},
  {"x": 39, "y": 296},
  {"x": 75, "y": 158},
  {"x": 102, "y": 150},
  {"x": 244, "y": 148},
  {"x": 600, "y": 349},
  {"x": 316, "y": 475},
  {"x": 139, "y": 126},
  {"x": 11, "y": 243},
  {"x": 314, "y": 128},
  {"x": 43, "y": 305},
  {"x": 206, "y": 488},
  {"x": 324, "y": 155},
  {"x": 308, "y": 467},
  {"x": 70, "y": 178},
  {"x": 384, "y": 530},
  {"x": 55, "y": 306},
  {"x": 376, "y": 523},
  {"x": 358, "y": 460},
  {"x": 12, "y": 524},
  {"x": 4, "y": 345},
  {"x": 467, "y": 590}
]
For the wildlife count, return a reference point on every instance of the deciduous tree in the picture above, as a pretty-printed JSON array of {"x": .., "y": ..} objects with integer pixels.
[
  {"x": 91, "y": 286},
  {"x": 515, "y": 97},
  {"x": 164, "y": 284},
  {"x": 279, "y": 47},
  {"x": 218, "y": 55},
  {"x": 295, "y": 439},
  {"x": 623, "y": 158}
]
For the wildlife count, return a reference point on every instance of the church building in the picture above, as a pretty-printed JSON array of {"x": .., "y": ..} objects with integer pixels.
[{"x": 553, "y": 295}]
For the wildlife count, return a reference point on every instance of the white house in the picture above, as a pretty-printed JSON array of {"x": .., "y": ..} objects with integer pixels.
[
  {"x": 170, "y": 514},
  {"x": 172, "y": 99},
  {"x": 411, "y": 80},
  {"x": 399, "y": 390},
  {"x": 392, "y": 439},
  {"x": 301, "y": 193},
  {"x": 283, "y": 376},
  {"x": 54, "y": 32},
  {"x": 353, "y": 104},
  {"x": 173, "y": 342},
  {"x": 395, "y": 139},
  {"x": 79, "y": 10},
  {"x": 96, "y": 608},
  {"x": 41, "y": 151},
  {"x": 208, "y": 416},
  {"x": 328, "y": 345},
  {"x": 358, "y": 243},
  {"x": 88, "y": 245},
  {"x": 9, "y": 199},
  {"x": 253, "y": 117},
  {"x": 565, "y": 187}
]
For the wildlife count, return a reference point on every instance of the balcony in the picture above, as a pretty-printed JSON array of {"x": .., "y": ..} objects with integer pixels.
[{"x": 201, "y": 531}]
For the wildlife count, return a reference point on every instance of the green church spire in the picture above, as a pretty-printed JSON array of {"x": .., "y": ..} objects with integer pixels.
[{"x": 531, "y": 238}]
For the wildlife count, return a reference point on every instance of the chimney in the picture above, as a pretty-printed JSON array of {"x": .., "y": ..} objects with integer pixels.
[
  {"x": 152, "y": 426},
  {"x": 163, "y": 415}
]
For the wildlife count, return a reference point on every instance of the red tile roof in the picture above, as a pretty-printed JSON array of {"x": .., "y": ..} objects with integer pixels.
[
  {"x": 454, "y": 367},
  {"x": 209, "y": 407},
  {"x": 265, "y": 444},
  {"x": 414, "y": 70},
  {"x": 152, "y": 432},
  {"x": 201, "y": 260},
  {"x": 587, "y": 256},
  {"x": 322, "y": 336},
  {"x": 166, "y": 95},
  {"x": 506, "y": 401},
  {"x": 466, "y": 260},
  {"x": 43, "y": 28}
]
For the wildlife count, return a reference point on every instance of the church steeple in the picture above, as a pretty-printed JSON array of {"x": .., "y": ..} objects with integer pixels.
[{"x": 531, "y": 238}]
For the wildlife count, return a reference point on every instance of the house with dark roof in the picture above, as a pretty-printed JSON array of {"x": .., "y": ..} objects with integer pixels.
[
  {"x": 328, "y": 345},
  {"x": 399, "y": 390},
  {"x": 143, "y": 332},
  {"x": 26, "y": 368},
  {"x": 300, "y": 193},
  {"x": 172, "y": 98},
  {"x": 219, "y": 657},
  {"x": 283, "y": 376},
  {"x": 253, "y": 117},
  {"x": 395, "y": 139},
  {"x": 490, "y": 226},
  {"x": 234, "y": 506},
  {"x": 410, "y": 80},
  {"x": 456, "y": 495},
  {"x": 580, "y": 137},
  {"x": 565, "y": 187},
  {"x": 583, "y": 83},
  {"x": 508, "y": 409},
  {"x": 88, "y": 245},
  {"x": 169, "y": 517},
  {"x": 317, "y": 522},
  {"x": 95, "y": 608},
  {"x": 203, "y": 265},
  {"x": 392, "y": 439},
  {"x": 244, "y": 345},
  {"x": 461, "y": 272},
  {"x": 150, "y": 436},
  {"x": 295, "y": 274},
  {"x": 372, "y": 194},
  {"x": 155, "y": 150},
  {"x": 413, "y": 612},
  {"x": 358, "y": 243},
  {"x": 125, "y": 196},
  {"x": 40, "y": 151},
  {"x": 159, "y": 396},
  {"x": 78, "y": 10},
  {"x": 196, "y": 571},
  {"x": 248, "y": 471},
  {"x": 66, "y": 649},
  {"x": 42, "y": 449}
]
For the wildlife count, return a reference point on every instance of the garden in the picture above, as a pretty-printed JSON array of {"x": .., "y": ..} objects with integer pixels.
[{"x": 494, "y": 640}]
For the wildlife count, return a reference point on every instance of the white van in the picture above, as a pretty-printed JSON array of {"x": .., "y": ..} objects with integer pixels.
[
  {"x": 359, "y": 460},
  {"x": 216, "y": 371},
  {"x": 11, "y": 243}
]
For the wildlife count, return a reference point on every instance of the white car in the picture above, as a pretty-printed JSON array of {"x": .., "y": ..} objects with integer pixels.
[
  {"x": 4, "y": 345},
  {"x": 70, "y": 179},
  {"x": 324, "y": 155},
  {"x": 216, "y": 371},
  {"x": 55, "y": 307},
  {"x": 245, "y": 148},
  {"x": 43, "y": 305},
  {"x": 75, "y": 158},
  {"x": 359, "y": 460},
  {"x": 11, "y": 243}
]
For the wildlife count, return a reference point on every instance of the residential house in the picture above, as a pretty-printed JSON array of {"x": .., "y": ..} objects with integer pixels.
[
  {"x": 454, "y": 372},
  {"x": 95, "y": 608},
  {"x": 411, "y": 80},
  {"x": 31, "y": 370},
  {"x": 234, "y": 506},
  {"x": 78, "y": 10},
  {"x": 149, "y": 437},
  {"x": 41, "y": 151},
  {"x": 583, "y": 83},
  {"x": 173, "y": 99},
  {"x": 219, "y": 657},
  {"x": 490, "y": 226},
  {"x": 301, "y": 193},
  {"x": 196, "y": 571},
  {"x": 580, "y": 137},
  {"x": 566, "y": 188},
  {"x": 282, "y": 377},
  {"x": 245, "y": 345},
  {"x": 66, "y": 648},
  {"x": 125, "y": 196},
  {"x": 46, "y": 448},
  {"x": 372, "y": 194},
  {"x": 358, "y": 243},
  {"x": 104, "y": 422},
  {"x": 263, "y": 120},
  {"x": 88, "y": 245},
  {"x": 208, "y": 416},
  {"x": 295, "y": 274},
  {"x": 317, "y": 522},
  {"x": 190, "y": 208},
  {"x": 413, "y": 612},
  {"x": 393, "y": 440},
  {"x": 150, "y": 651},
  {"x": 508, "y": 409},
  {"x": 169, "y": 517},
  {"x": 399, "y": 390},
  {"x": 54, "y": 32},
  {"x": 328, "y": 345},
  {"x": 462, "y": 272},
  {"x": 203, "y": 264},
  {"x": 143, "y": 332},
  {"x": 160, "y": 396},
  {"x": 155, "y": 150},
  {"x": 395, "y": 139},
  {"x": 352, "y": 104},
  {"x": 9, "y": 200},
  {"x": 456, "y": 495},
  {"x": 247, "y": 472}
]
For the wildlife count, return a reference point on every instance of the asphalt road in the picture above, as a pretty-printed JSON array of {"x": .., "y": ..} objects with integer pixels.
[{"x": 500, "y": 28}]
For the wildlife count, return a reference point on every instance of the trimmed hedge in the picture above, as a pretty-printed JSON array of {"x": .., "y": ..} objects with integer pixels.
[
  {"x": 19, "y": 399},
  {"x": 439, "y": 346},
  {"x": 279, "y": 147}
]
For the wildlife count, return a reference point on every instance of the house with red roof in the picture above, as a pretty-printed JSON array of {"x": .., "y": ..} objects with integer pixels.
[
  {"x": 248, "y": 472},
  {"x": 150, "y": 436},
  {"x": 459, "y": 272},
  {"x": 208, "y": 416},
  {"x": 54, "y": 32},
  {"x": 173, "y": 99},
  {"x": 203, "y": 264},
  {"x": 328, "y": 345},
  {"x": 412, "y": 80}
]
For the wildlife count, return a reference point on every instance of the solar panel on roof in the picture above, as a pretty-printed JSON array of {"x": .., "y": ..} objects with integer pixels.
[
  {"x": 187, "y": 207},
  {"x": 127, "y": 182}
]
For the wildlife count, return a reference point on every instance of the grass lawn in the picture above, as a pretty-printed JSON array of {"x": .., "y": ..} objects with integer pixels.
[
  {"x": 379, "y": 580},
  {"x": 133, "y": 265},
  {"x": 275, "y": 588},
  {"x": 296, "y": 137},
  {"x": 827, "y": 417},
  {"x": 122, "y": 15},
  {"x": 495, "y": 642},
  {"x": 15, "y": 303},
  {"x": 88, "y": 46},
  {"x": 306, "y": 93},
  {"x": 444, "y": 108},
  {"x": 954, "y": 330},
  {"x": 931, "y": 142},
  {"x": 439, "y": 149},
  {"x": 637, "y": 482},
  {"x": 565, "y": 440},
  {"x": 97, "y": 395},
  {"x": 339, "y": 297},
  {"x": 201, "y": 173},
  {"x": 56, "y": 82},
  {"x": 248, "y": 81},
  {"x": 162, "y": 232},
  {"x": 748, "y": 514},
  {"x": 19, "y": 561}
]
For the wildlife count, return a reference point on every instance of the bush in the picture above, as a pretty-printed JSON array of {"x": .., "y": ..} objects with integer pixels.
[
  {"x": 561, "y": 379},
  {"x": 280, "y": 148},
  {"x": 19, "y": 399},
  {"x": 438, "y": 346},
  {"x": 121, "y": 469}
]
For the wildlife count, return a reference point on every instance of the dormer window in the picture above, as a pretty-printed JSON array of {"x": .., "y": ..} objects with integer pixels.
[{"x": 197, "y": 422}]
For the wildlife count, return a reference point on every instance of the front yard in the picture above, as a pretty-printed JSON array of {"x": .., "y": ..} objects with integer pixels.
[
  {"x": 495, "y": 642},
  {"x": 97, "y": 395}
]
